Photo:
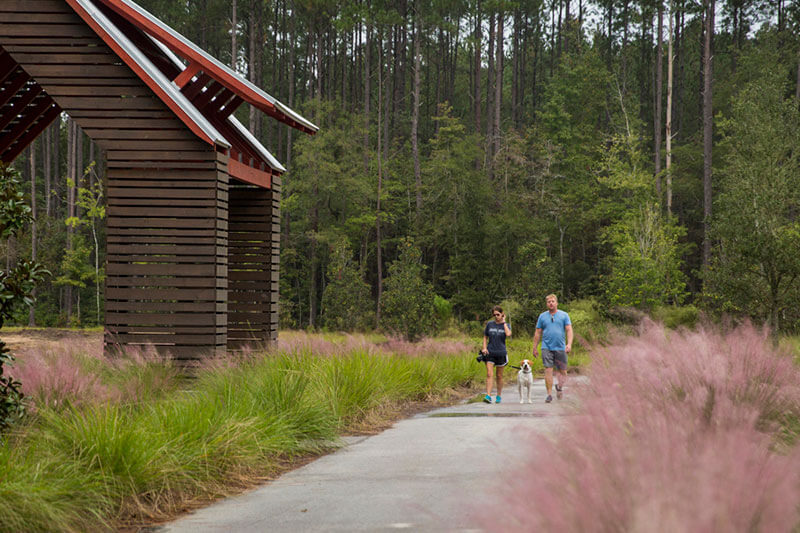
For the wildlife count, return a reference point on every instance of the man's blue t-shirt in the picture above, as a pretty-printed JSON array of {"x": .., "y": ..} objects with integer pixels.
[
  {"x": 553, "y": 332},
  {"x": 496, "y": 334}
]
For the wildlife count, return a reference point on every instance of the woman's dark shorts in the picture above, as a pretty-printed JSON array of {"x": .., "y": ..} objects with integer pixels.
[
  {"x": 554, "y": 358},
  {"x": 499, "y": 359}
]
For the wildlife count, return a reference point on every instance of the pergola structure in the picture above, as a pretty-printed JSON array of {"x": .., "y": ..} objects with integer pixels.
[{"x": 193, "y": 197}]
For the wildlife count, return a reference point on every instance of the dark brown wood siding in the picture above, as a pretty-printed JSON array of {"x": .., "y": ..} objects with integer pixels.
[
  {"x": 253, "y": 261},
  {"x": 167, "y": 251}
]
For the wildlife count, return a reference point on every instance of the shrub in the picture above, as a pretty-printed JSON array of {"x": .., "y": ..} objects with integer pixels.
[
  {"x": 16, "y": 286},
  {"x": 408, "y": 299},
  {"x": 587, "y": 322},
  {"x": 443, "y": 310},
  {"x": 676, "y": 316},
  {"x": 346, "y": 302}
]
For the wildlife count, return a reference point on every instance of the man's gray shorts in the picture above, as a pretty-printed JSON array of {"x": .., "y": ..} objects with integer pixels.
[{"x": 554, "y": 358}]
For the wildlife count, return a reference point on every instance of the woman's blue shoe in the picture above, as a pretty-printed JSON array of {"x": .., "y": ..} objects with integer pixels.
[
  {"x": 497, "y": 399},
  {"x": 487, "y": 399}
]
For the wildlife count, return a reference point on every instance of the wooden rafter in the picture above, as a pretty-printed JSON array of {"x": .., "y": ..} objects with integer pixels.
[{"x": 43, "y": 121}]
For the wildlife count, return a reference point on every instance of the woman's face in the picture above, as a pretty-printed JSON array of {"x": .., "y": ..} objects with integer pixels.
[{"x": 498, "y": 316}]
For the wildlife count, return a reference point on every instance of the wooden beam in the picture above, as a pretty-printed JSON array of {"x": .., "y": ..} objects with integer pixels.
[
  {"x": 16, "y": 107},
  {"x": 186, "y": 76},
  {"x": 12, "y": 88},
  {"x": 248, "y": 174},
  {"x": 26, "y": 120},
  {"x": 45, "y": 120}
]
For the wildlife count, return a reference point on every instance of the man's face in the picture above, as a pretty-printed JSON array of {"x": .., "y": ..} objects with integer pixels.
[{"x": 552, "y": 304}]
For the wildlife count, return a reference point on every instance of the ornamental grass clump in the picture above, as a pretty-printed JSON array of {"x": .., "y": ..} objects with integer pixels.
[
  {"x": 87, "y": 463},
  {"x": 75, "y": 371},
  {"x": 676, "y": 431}
]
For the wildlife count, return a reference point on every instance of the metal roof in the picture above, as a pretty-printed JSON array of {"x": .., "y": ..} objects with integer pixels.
[
  {"x": 169, "y": 90},
  {"x": 176, "y": 48},
  {"x": 262, "y": 151},
  {"x": 225, "y": 75}
]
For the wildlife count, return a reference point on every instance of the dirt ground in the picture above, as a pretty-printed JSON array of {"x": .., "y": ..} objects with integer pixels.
[{"x": 23, "y": 338}]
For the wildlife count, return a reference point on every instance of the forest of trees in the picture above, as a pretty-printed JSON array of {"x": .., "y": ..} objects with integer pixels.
[{"x": 642, "y": 153}]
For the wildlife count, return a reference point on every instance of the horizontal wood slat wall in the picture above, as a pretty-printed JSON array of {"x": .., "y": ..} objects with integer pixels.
[
  {"x": 175, "y": 283},
  {"x": 253, "y": 262},
  {"x": 166, "y": 285}
]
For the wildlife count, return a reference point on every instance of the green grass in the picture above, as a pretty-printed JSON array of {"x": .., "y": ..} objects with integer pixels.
[{"x": 94, "y": 466}]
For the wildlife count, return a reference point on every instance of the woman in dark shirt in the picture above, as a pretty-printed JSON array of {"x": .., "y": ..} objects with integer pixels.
[{"x": 494, "y": 350}]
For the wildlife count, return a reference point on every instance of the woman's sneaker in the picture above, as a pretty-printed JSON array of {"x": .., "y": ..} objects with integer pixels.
[
  {"x": 559, "y": 392},
  {"x": 548, "y": 399},
  {"x": 497, "y": 399},
  {"x": 487, "y": 399}
]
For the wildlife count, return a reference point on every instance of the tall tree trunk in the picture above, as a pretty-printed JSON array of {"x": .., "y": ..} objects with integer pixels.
[
  {"x": 415, "y": 117},
  {"x": 658, "y": 97},
  {"x": 72, "y": 176},
  {"x": 378, "y": 255},
  {"x": 47, "y": 166},
  {"x": 234, "y": 24},
  {"x": 708, "y": 117},
  {"x": 252, "y": 45},
  {"x": 797, "y": 87},
  {"x": 498, "y": 84},
  {"x": 291, "y": 76},
  {"x": 670, "y": 61},
  {"x": 490, "y": 87},
  {"x": 679, "y": 58},
  {"x": 367, "y": 92},
  {"x": 32, "y": 160},
  {"x": 515, "y": 66},
  {"x": 477, "y": 33},
  {"x": 312, "y": 285}
]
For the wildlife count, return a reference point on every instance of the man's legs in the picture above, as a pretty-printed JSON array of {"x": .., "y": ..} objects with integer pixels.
[
  {"x": 548, "y": 379},
  {"x": 562, "y": 380},
  {"x": 561, "y": 365}
]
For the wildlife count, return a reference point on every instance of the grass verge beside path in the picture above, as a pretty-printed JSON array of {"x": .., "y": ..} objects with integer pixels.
[{"x": 98, "y": 459}]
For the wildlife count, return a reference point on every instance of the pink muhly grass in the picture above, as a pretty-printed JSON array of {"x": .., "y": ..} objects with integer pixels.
[
  {"x": 52, "y": 375},
  {"x": 77, "y": 371},
  {"x": 676, "y": 431}
]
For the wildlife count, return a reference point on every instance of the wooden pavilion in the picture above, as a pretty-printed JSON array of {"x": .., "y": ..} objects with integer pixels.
[{"x": 193, "y": 197}]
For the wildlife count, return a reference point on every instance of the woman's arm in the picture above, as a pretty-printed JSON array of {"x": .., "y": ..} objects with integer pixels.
[{"x": 485, "y": 340}]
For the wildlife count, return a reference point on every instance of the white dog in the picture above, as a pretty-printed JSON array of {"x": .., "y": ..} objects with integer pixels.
[{"x": 525, "y": 380}]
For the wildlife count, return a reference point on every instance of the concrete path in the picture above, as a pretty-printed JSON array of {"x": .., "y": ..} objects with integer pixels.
[{"x": 426, "y": 473}]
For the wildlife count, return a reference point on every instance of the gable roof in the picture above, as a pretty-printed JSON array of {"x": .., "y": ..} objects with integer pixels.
[{"x": 203, "y": 93}]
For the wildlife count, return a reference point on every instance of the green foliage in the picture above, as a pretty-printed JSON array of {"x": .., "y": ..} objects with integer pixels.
[
  {"x": 755, "y": 268},
  {"x": 346, "y": 302},
  {"x": 676, "y": 316},
  {"x": 407, "y": 302},
  {"x": 644, "y": 269},
  {"x": 588, "y": 322},
  {"x": 16, "y": 286},
  {"x": 85, "y": 468},
  {"x": 443, "y": 310}
]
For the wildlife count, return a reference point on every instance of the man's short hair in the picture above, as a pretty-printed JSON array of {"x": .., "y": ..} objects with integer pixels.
[{"x": 551, "y": 296}]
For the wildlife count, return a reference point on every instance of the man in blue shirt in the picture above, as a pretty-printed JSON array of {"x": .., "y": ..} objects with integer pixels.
[{"x": 553, "y": 325}]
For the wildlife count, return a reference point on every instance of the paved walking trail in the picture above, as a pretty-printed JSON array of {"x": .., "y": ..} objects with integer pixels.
[{"x": 427, "y": 473}]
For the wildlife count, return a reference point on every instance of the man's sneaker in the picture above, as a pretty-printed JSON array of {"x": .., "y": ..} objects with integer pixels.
[
  {"x": 559, "y": 392},
  {"x": 548, "y": 399},
  {"x": 487, "y": 399},
  {"x": 497, "y": 399}
]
